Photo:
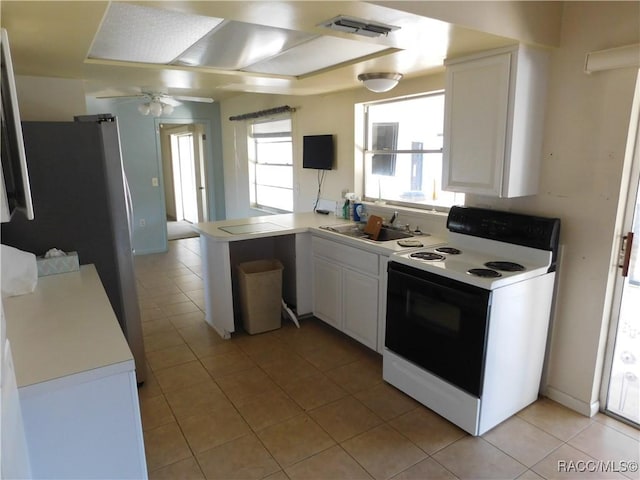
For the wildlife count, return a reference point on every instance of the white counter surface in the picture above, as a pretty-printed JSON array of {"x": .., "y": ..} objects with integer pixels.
[
  {"x": 278, "y": 225},
  {"x": 65, "y": 327},
  {"x": 291, "y": 223}
]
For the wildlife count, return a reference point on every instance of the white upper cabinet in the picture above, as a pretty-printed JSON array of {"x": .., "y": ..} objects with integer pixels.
[{"x": 494, "y": 115}]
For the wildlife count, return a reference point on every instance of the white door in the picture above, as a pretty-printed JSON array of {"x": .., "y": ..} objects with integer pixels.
[
  {"x": 622, "y": 375},
  {"x": 188, "y": 172}
]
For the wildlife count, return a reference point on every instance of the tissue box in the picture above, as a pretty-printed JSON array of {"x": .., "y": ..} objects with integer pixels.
[{"x": 55, "y": 265}]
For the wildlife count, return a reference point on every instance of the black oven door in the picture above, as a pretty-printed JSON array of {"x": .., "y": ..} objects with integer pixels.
[{"x": 438, "y": 324}]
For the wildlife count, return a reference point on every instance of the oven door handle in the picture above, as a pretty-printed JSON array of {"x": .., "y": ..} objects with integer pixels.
[{"x": 437, "y": 286}]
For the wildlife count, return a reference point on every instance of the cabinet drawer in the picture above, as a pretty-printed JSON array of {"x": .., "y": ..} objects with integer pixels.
[{"x": 345, "y": 255}]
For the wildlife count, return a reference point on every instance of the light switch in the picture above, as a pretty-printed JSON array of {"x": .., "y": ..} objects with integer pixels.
[{"x": 154, "y": 181}]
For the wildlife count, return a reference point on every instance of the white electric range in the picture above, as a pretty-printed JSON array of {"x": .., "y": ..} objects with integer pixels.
[{"x": 467, "y": 321}]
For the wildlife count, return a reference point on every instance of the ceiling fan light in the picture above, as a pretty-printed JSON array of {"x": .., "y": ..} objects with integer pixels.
[
  {"x": 380, "y": 82},
  {"x": 143, "y": 108},
  {"x": 167, "y": 109},
  {"x": 155, "y": 108}
]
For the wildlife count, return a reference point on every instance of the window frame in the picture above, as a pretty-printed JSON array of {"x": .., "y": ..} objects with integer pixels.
[
  {"x": 367, "y": 142},
  {"x": 253, "y": 162}
]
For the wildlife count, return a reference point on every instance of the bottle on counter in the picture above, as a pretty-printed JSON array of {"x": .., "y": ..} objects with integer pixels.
[
  {"x": 359, "y": 214},
  {"x": 345, "y": 209}
]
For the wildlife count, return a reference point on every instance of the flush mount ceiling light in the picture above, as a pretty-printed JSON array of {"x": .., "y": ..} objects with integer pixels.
[{"x": 380, "y": 82}]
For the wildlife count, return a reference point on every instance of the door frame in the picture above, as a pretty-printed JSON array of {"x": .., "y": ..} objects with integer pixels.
[
  {"x": 629, "y": 190},
  {"x": 198, "y": 161},
  {"x": 207, "y": 161}
]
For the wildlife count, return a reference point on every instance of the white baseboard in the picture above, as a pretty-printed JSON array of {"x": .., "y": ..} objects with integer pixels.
[{"x": 583, "y": 408}]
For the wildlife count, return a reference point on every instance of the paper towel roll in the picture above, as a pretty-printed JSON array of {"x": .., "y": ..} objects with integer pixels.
[{"x": 19, "y": 271}]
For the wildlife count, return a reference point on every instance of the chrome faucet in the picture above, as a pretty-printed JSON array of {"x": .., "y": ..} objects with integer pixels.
[{"x": 393, "y": 218}]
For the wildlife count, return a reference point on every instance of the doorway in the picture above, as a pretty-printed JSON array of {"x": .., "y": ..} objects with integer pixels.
[
  {"x": 621, "y": 386},
  {"x": 184, "y": 175}
]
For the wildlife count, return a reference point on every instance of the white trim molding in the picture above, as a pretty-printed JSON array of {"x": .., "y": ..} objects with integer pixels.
[
  {"x": 619, "y": 57},
  {"x": 584, "y": 408}
]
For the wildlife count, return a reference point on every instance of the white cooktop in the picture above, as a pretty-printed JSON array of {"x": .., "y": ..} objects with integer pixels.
[{"x": 475, "y": 252}]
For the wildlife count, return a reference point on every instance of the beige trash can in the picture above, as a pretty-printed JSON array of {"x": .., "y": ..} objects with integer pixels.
[{"x": 260, "y": 284}]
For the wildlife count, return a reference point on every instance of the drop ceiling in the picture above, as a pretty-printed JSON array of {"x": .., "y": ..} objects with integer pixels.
[{"x": 219, "y": 49}]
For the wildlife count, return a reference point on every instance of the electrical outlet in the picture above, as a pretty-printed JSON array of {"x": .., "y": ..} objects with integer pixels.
[
  {"x": 154, "y": 182},
  {"x": 142, "y": 222}
]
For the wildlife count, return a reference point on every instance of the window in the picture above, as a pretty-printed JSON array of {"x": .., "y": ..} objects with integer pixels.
[
  {"x": 403, "y": 152},
  {"x": 271, "y": 165}
]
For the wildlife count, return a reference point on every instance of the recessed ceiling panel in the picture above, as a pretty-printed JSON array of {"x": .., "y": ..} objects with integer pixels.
[
  {"x": 317, "y": 54},
  {"x": 132, "y": 33},
  {"x": 234, "y": 45}
]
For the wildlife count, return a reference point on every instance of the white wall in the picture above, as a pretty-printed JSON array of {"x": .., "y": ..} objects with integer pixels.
[
  {"x": 586, "y": 125},
  {"x": 50, "y": 99},
  {"x": 320, "y": 114}
]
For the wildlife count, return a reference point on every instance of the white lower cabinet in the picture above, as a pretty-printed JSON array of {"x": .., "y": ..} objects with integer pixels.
[
  {"x": 76, "y": 381},
  {"x": 360, "y": 307},
  {"x": 345, "y": 289},
  {"x": 327, "y": 291},
  {"x": 85, "y": 426}
]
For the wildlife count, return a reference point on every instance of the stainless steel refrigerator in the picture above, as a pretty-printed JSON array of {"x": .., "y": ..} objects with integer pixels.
[{"x": 82, "y": 203}]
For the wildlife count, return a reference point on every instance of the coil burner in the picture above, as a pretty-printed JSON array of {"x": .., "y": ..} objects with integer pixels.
[
  {"x": 505, "y": 266},
  {"x": 429, "y": 256},
  {"x": 484, "y": 272},
  {"x": 448, "y": 250}
]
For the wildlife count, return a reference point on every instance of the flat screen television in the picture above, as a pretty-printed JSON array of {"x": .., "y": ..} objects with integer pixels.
[
  {"x": 318, "y": 152},
  {"x": 15, "y": 193}
]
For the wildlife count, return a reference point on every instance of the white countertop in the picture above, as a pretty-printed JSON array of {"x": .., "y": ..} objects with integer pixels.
[
  {"x": 280, "y": 224},
  {"x": 65, "y": 327},
  {"x": 291, "y": 223}
]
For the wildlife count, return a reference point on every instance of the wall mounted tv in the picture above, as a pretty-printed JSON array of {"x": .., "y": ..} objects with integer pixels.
[{"x": 318, "y": 152}]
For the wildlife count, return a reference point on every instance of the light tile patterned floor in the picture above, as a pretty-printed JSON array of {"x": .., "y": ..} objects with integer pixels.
[{"x": 310, "y": 403}]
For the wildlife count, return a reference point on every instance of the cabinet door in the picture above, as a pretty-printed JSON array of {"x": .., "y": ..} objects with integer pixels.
[
  {"x": 96, "y": 421},
  {"x": 476, "y": 122},
  {"x": 360, "y": 311},
  {"x": 327, "y": 292}
]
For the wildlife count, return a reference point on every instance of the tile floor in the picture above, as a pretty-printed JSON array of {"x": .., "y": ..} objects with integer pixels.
[{"x": 310, "y": 403}]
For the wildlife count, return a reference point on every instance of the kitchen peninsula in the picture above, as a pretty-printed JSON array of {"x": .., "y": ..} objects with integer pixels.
[{"x": 296, "y": 239}]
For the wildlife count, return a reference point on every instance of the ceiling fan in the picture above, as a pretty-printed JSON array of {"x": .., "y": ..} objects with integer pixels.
[{"x": 158, "y": 103}]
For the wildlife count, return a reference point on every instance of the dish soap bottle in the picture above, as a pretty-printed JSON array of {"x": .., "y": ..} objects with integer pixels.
[{"x": 345, "y": 209}]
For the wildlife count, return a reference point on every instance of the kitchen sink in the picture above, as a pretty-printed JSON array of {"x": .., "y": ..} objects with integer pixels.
[
  {"x": 386, "y": 234},
  {"x": 350, "y": 230},
  {"x": 392, "y": 234}
]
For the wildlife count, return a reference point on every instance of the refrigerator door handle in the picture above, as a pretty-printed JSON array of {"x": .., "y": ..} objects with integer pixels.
[{"x": 129, "y": 205}]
